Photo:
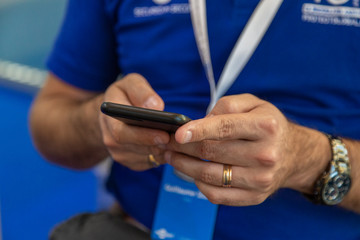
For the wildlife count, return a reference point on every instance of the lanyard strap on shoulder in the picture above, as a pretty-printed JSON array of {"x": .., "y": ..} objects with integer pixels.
[{"x": 244, "y": 48}]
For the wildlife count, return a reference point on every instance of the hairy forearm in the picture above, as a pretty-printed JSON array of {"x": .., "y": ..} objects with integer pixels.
[{"x": 67, "y": 132}]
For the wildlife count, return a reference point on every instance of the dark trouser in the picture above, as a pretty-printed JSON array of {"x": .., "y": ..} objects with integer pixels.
[{"x": 97, "y": 226}]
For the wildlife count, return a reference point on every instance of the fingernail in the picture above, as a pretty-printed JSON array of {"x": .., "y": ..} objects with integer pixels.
[
  {"x": 187, "y": 137},
  {"x": 167, "y": 157},
  {"x": 151, "y": 102}
]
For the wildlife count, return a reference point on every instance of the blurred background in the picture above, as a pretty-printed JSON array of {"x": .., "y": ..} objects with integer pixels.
[{"x": 34, "y": 195}]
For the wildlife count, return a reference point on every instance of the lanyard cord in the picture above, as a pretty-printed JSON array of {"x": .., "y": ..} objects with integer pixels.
[{"x": 245, "y": 46}]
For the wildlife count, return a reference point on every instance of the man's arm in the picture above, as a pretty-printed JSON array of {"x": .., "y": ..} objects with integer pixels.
[
  {"x": 64, "y": 124},
  {"x": 315, "y": 157}
]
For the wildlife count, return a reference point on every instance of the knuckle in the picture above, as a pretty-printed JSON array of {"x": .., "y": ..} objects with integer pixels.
[
  {"x": 249, "y": 96},
  {"x": 270, "y": 125},
  {"x": 207, "y": 150},
  {"x": 224, "y": 100},
  {"x": 228, "y": 104},
  {"x": 138, "y": 82},
  {"x": 267, "y": 157},
  {"x": 226, "y": 128},
  {"x": 134, "y": 80},
  {"x": 203, "y": 132},
  {"x": 206, "y": 176},
  {"x": 107, "y": 140},
  {"x": 134, "y": 77}
]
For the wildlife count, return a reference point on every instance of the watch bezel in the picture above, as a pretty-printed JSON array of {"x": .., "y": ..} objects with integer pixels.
[{"x": 330, "y": 185}]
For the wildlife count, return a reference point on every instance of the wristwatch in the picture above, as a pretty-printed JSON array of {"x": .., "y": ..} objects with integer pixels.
[{"x": 335, "y": 182}]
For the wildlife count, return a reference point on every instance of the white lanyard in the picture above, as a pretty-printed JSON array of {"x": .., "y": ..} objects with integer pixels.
[{"x": 244, "y": 48}]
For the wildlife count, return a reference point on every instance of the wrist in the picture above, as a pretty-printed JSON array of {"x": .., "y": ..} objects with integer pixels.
[
  {"x": 94, "y": 127},
  {"x": 86, "y": 114},
  {"x": 312, "y": 154},
  {"x": 93, "y": 109}
]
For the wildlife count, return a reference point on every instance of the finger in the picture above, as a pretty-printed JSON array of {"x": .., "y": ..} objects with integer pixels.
[
  {"x": 257, "y": 179},
  {"x": 230, "y": 196},
  {"x": 140, "y": 93},
  {"x": 234, "y": 152},
  {"x": 138, "y": 162},
  {"x": 139, "y": 149},
  {"x": 221, "y": 127},
  {"x": 187, "y": 165},
  {"x": 241, "y": 103},
  {"x": 122, "y": 133}
]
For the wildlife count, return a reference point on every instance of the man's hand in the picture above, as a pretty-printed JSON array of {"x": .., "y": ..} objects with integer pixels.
[
  {"x": 265, "y": 151},
  {"x": 69, "y": 129},
  {"x": 131, "y": 145}
]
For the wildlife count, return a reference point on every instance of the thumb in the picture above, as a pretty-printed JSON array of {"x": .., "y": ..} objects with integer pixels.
[{"x": 140, "y": 93}]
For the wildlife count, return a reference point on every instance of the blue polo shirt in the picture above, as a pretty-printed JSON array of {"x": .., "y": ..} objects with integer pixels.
[{"x": 307, "y": 65}]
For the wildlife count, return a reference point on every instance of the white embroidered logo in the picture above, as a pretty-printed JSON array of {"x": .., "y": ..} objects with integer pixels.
[
  {"x": 161, "y": 8},
  {"x": 338, "y": 2},
  {"x": 332, "y": 12},
  {"x": 161, "y": 2}
]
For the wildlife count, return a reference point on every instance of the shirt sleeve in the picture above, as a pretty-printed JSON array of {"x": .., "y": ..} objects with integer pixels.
[{"x": 84, "y": 54}]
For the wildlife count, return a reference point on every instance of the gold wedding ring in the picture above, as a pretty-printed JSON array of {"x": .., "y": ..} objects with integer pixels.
[
  {"x": 152, "y": 161},
  {"x": 227, "y": 176}
]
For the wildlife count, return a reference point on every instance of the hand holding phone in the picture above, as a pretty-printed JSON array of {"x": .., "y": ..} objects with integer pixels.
[{"x": 144, "y": 117}]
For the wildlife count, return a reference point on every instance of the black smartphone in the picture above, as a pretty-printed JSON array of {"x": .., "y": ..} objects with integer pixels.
[{"x": 144, "y": 117}]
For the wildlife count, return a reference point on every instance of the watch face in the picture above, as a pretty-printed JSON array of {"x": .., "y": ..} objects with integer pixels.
[{"x": 336, "y": 188}]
